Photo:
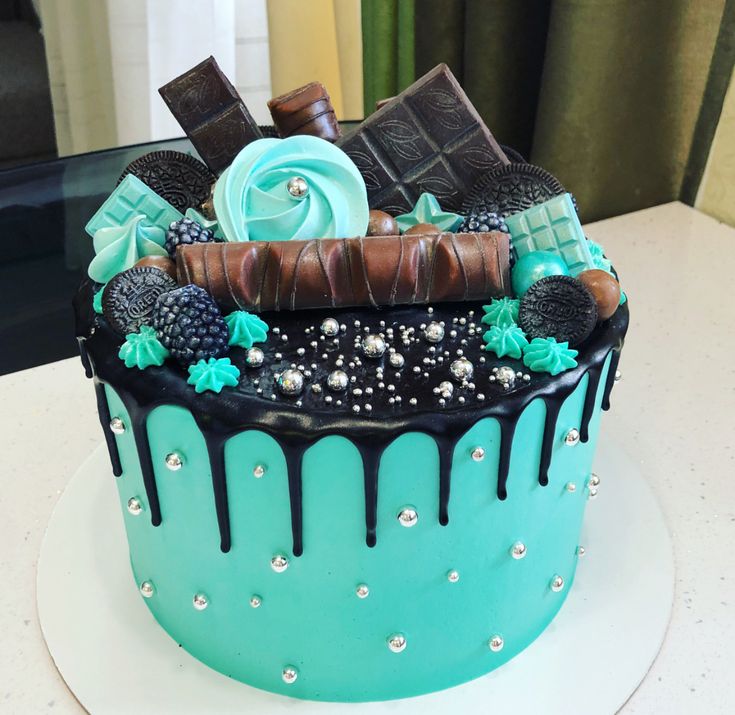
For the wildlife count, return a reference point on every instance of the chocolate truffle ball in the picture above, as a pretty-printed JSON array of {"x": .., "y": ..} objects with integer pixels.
[
  {"x": 605, "y": 290},
  {"x": 161, "y": 262},
  {"x": 381, "y": 223},
  {"x": 423, "y": 229}
]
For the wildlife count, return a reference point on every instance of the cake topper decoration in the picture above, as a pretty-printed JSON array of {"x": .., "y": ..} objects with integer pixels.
[
  {"x": 305, "y": 110},
  {"x": 285, "y": 189},
  {"x": 376, "y": 271},
  {"x": 427, "y": 210}
]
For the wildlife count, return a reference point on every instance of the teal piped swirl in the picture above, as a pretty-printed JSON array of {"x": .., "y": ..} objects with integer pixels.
[
  {"x": 97, "y": 301},
  {"x": 546, "y": 355},
  {"x": 246, "y": 329},
  {"x": 204, "y": 222},
  {"x": 121, "y": 247},
  {"x": 213, "y": 374},
  {"x": 252, "y": 201},
  {"x": 502, "y": 312},
  {"x": 142, "y": 349},
  {"x": 509, "y": 340}
]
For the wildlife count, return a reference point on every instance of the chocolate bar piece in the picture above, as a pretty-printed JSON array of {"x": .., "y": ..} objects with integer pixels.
[
  {"x": 427, "y": 139},
  {"x": 382, "y": 102},
  {"x": 211, "y": 112},
  {"x": 342, "y": 272},
  {"x": 306, "y": 110}
]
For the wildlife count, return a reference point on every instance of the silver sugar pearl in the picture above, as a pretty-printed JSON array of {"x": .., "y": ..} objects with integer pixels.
[
  {"x": 396, "y": 642},
  {"x": 557, "y": 584},
  {"x": 117, "y": 426},
  {"x": 373, "y": 346},
  {"x": 254, "y": 357},
  {"x": 337, "y": 381},
  {"x": 496, "y": 643},
  {"x": 147, "y": 589},
  {"x": 571, "y": 487},
  {"x": 453, "y": 576},
  {"x": 434, "y": 332},
  {"x": 618, "y": 376},
  {"x": 174, "y": 461},
  {"x": 255, "y": 601},
  {"x": 446, "y": 389},
  {"x": 506, "y": 376},
  {"x": 572, "y": 437},
  {"x": 362, "y": 590},
  {"x": 279, "y": 563},
  {"x": 289, "y": 674},
  {"x": 397, "y": 360},
  {"x": 477, "y": 454},
  {"x": 581, "y": 551},
  {"x": 259, "y": 471},
  {"x": 134, "y": 506},
  {"x": 408, "y": 516},
  {"x": 462, "y": 369},
  {"x": 592, "y": 493},
  {"x": 290, "y": 382},
  {"x": 329, "y": 327},
  {"x": 594, "y": 481},
  {"x": 200, "y": 601},
  {"x": 297, "y": 187},
  {"x": 518, "y": 550}
]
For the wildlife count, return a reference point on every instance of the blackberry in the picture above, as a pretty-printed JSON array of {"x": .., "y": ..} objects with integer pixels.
[
  {"x": 189, "y": 324},
  {"x": 184, "y": 233},
  {"x": 482, "y": 222}
]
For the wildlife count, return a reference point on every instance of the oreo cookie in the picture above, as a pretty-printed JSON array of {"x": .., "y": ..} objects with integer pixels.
[
  {"x": 511, "y": 189},
  {"x": 179, "y": 178},
  {"x": 129, "y": 297},
  {"x": 558, "y": 307}
]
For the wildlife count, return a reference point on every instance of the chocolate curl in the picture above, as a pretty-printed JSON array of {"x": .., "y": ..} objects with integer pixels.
[
  {"x": 306, "y": 110},
  {"x": 343, "y": 272}
]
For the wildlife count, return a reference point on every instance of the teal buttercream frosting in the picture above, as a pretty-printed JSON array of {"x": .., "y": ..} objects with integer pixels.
[
  {"x": 211, "y": 224},
  {"x": 213, "y": 374},
  {"x": 97, "y": 301},
  {"x": 598, "y": 256},
  {"x": 121, "y": 247},
  {"x": 508, "y": 340},
  {"x": 427, "y": 210},
  {"x": 546, "y": 355},
  {"x": 142, "y": 349},
  {"x": 252, "y": 200},
  {"x": 502, "y": 312},
  {"x": 246, "y": 329}
]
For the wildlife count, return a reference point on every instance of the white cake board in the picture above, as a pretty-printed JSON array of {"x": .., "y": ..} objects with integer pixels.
[{"x": 116, "y": 659}]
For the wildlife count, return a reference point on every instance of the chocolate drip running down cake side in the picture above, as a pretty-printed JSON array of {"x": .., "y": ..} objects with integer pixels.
[{"x": 352, "y": 430}]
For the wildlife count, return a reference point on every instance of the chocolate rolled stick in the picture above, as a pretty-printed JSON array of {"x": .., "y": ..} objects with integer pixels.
[
  {"x": 341, "y": 272},
  {"x": 306, "y": 110}
]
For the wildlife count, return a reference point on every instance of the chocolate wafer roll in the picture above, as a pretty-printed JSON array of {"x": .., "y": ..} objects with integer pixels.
[
  {"x": 306, "y": 110},
  {"x": 343, "y": 272}
]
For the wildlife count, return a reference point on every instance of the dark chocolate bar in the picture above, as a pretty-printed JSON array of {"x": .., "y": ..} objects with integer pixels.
[
  {"x": 342, "y": 272},
  {"x": 427, "y": 139},
  {"x": 211, "y": 112},
  {"x": 306, "y": 110}
]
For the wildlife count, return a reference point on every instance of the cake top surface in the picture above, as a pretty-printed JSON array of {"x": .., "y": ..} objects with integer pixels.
[{"x": 407, "y": 270}]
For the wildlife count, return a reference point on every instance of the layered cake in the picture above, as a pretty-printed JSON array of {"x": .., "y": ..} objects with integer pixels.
[{"x": 350, "y": 386}]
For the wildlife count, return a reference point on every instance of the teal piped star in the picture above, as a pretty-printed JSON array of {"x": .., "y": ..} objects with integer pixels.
[{"x": 427, "y": 210}]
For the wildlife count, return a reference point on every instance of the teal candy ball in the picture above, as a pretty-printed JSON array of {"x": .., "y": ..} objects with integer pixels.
[{"x": 533, "y": 267}]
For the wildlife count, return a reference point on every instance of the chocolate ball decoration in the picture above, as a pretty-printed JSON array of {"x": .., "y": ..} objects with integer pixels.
[
  {"x": 423, "y": 229},
  {"x": 533, "y": 267},
  {"x": 161, "y": 262},
  {"x": 605, "y": 290},
  {"x": 381, "y": 223}
]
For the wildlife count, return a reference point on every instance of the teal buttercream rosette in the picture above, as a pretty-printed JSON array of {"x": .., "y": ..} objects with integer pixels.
[
  {"x": 142, "y": 349},
  {"x": 213, "y": 374},
  {"x": 246, "y": 329},
  {"x": 255, "y": 198},
  {"x": 547, "y": 355},
  {"x": 508, "y": 340},
  {"x": 502, "y": 312}
]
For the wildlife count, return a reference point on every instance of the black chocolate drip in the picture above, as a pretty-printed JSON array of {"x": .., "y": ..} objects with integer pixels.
[
  {"x": 589, "y": 402},
  {"x": 614, "y": 360},
  {"x": 84, "y": 355},
  {"x": 103, "y": 410},
  {"x": 220, "y": 417}
]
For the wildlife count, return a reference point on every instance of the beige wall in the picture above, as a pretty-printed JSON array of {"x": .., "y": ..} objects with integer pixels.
[{"x": 716, "y": 195}]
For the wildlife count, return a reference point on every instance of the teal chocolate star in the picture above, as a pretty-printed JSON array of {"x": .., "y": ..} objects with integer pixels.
[{"x": 427, "y": 210}]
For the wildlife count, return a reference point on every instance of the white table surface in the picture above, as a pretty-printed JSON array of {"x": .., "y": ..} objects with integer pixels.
[{"x": 674, "y": 410}]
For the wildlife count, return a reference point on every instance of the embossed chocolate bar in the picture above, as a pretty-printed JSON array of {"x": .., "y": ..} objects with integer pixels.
[
  {"x": 342, "y": 272},
  {"x": 427, "y": 139},
  {"x": 211, "y": 112}
]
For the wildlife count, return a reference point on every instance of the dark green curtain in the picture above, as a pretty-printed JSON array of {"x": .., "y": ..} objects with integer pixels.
[{"x": 617, "y": 98}]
